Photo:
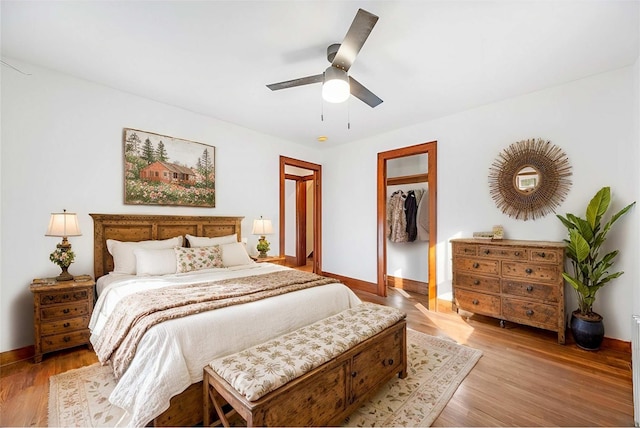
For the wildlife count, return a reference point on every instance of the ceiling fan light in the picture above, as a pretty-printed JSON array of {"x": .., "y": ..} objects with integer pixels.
[{"x": 335, "y": 88}]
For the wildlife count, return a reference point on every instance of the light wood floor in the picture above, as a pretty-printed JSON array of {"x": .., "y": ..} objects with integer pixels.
[{"x": 524, "y": 377}]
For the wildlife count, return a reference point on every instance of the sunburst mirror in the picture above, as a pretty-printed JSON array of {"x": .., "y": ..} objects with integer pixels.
[{"x": 530, "y": 179}]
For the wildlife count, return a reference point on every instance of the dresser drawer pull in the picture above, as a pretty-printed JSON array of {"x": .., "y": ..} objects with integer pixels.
[
  {"x": 387, "y": 362},
  {"x": 67, "y": 339},
  {"x": 65, "y": 296},
  {"x": 528, "y": 270},
  {"x": 354, "y": 374},
  {"x": 487, "y": 251},
  {"x": 529, "y": 312},
  {"x": 529, "y": 288},
  {"x": 66, "y": 311},
  {"x": 543, "y": 255},
  {"x": 517, "y": 253},
  {"x": 476, "y": 282},
  {"x": 476, "y": 265},
  {"x": 66, "y": 325},
  {"x": 475, "y": 301}
]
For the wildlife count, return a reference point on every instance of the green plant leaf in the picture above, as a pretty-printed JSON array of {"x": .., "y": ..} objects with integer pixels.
[
  {"x": 598, "y": 206},
  {"x": 579, "y": 245}
]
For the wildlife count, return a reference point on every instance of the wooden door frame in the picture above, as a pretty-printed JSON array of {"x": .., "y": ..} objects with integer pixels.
[
  {"x": 317, "y": 209},
  {"x": 432, "y": 176}
]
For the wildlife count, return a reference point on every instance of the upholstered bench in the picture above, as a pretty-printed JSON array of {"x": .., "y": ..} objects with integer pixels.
[{"x": 314, "y": 376}]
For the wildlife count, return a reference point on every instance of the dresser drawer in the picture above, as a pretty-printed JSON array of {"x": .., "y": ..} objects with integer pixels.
[
  {"x": 465, "y": 249},
  {"x": 64, "y": 325},
  {"x": 490, "y": 267},
  {"x": 63, "y": 297},
  {"x": 538, "y": 291},
  {"x": 546, "y": 255},
  {"x": 531, "y": 313},
  {"x": 508, "y": 253},
  {"x": 65, "y": 340},
  {"x": 65, "y": 311},
  {"x": 478, "y": 283},
  {"x": 531, "y": 271},
  {"x": 478, "y": 303}
]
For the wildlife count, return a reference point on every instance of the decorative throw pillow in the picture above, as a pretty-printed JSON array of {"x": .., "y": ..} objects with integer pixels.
[
  {"x": 155, "y": 262},
  {"x": 235, "y": 254},
  {"x": 203, "y": 241},
  {"x": 124, "y": 260},
  {"x": 190, "y": 259}
]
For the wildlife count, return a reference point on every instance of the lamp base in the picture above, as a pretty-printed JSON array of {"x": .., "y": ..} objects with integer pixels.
[{"x": 65, "y": 275}]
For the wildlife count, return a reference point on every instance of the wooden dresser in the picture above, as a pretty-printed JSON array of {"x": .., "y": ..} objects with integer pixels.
[
  {"x": 518, "y": 281},
  {"x": 61, "y": 313}
]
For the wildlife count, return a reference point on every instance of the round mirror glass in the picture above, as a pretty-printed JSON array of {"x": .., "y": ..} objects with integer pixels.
[{"x": 529, "y": 179}]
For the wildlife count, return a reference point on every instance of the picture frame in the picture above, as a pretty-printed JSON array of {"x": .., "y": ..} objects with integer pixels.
[{"x": 164, "y": 170}]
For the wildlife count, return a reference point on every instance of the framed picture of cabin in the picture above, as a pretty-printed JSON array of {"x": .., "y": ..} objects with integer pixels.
[{"x": 163, "y": 170}]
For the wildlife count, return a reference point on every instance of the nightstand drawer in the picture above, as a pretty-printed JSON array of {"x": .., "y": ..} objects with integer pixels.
[
  {"x": 478, "y": 303},
  {"x": 63, "y": 297},
  {"x": 532, "y": 271},
  {"x": 65, "y": 340},
  {"x": 531, "y": 313},
  {"x": 66, "y": 311},
  {"x": 504, "y": 252},
  {"x": 478, "y": 283},
  {"x": 64, "y": 325},
  {"x": 491, "y": 267},
  {"x": 546, "y": 292}
]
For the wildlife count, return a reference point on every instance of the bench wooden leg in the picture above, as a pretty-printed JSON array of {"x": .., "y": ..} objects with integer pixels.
[{"x": 211, "y": 396}]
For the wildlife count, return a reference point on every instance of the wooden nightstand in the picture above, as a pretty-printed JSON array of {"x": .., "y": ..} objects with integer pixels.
[
  {"x": 61, "y": 313},
  {"x": 278, "y": 260}
]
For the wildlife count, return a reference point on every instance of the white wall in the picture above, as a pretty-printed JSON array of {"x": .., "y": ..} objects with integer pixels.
[
  {"x": 62, "y": 148},
  {"x": 591, "y": 119}
]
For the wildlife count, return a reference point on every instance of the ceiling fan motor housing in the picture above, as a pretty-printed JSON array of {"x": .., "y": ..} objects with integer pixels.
[{"x": 332, "y": 50}]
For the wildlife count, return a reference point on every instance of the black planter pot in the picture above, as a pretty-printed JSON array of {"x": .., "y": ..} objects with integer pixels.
[{"x": 587, "y": 333}]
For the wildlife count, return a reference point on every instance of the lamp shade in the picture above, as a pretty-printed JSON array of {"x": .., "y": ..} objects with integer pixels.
[
  {"x": 63, "y": 224},
  {"x": 262, "y": 226},
  {"x": 335, "y": 88}
]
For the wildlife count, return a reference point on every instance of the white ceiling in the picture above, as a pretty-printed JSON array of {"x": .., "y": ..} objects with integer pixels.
[{"x": 425, "y": 59}]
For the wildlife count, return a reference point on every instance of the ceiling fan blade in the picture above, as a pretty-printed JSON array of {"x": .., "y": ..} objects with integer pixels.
[
  {"x": 296, "y": 82},
  {"x": 363, "y": 94},
  {"x": 354, "y": 39}
]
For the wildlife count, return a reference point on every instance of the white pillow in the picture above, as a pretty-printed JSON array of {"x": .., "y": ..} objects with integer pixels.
[
  {"x": 235, "y": 254},
  {"x": 155, "y": 262},
  {"x": 124, "y": 260},
  {"x": 203, "y": 241}
]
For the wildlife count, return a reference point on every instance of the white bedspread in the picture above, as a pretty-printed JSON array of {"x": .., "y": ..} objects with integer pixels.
[{"x": 171, "y": 355}]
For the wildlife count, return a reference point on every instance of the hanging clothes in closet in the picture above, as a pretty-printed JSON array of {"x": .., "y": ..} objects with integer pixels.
[{"x": 406, "y": 218}]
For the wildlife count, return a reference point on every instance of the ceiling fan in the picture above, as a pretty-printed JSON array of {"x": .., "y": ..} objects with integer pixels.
[{"x": 337, "y": 85}]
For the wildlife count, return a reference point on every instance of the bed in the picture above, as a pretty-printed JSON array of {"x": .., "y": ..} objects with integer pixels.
[{"x": 163, "y": 383}]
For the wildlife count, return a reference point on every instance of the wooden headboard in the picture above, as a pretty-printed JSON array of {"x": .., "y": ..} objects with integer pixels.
[{"x": 136, "y": 227}]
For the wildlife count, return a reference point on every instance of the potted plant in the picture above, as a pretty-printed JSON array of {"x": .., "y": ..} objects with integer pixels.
[{"x": 590, "y": 270}]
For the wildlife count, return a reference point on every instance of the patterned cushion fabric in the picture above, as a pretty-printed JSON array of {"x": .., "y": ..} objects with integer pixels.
[
  {"x": 190, "y": 259},
  {"x": 261, "y": 369}
]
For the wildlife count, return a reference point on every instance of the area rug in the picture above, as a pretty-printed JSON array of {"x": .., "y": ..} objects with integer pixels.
[{"x": 436, "y": 368}]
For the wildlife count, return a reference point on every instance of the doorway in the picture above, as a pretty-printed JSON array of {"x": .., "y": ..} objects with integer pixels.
[
  {"x": 300, "y": 213},
  {"x": 427, "y": 178}
]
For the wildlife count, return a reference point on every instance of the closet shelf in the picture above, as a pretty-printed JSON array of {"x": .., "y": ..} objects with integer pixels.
[{"x": 407, "y": 179}]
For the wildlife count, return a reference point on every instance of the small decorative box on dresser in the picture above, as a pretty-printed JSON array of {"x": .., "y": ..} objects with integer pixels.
[
  {"x": 518, "y": 281},
  {"x": 61, "y": 313}
]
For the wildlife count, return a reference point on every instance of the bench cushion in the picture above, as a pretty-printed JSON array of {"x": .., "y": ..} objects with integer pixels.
[{"x": 261, "y": 369}]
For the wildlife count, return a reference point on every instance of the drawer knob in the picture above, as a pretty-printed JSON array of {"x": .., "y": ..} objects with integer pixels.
[
  {"x": 529, "y": 288},
  {"x": 476, "y": 282},
  {"x": 67, "y": 339},
  {"x": 543, "y": 255},
  {"x": 475, "y": 301},
  {"x": 528, "y": 270},
  {"x": 65, "y": 296},
  {"x": 66, "y": 325},
  {"x": 66, "y": 311},
  {"x": 517, "y": 253},
  {"x": 388, "y": 362},
  {"x": 529, "y": 312},
  {"x": 487, "y": 251},
  {"x": 476, "y": 265},
  {"x": 354, "y": 374}
]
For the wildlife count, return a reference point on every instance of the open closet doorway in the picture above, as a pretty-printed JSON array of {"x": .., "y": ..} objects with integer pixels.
[
  {"x": 407, "y": 258},
  {"x": 300, "y": 213}
]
